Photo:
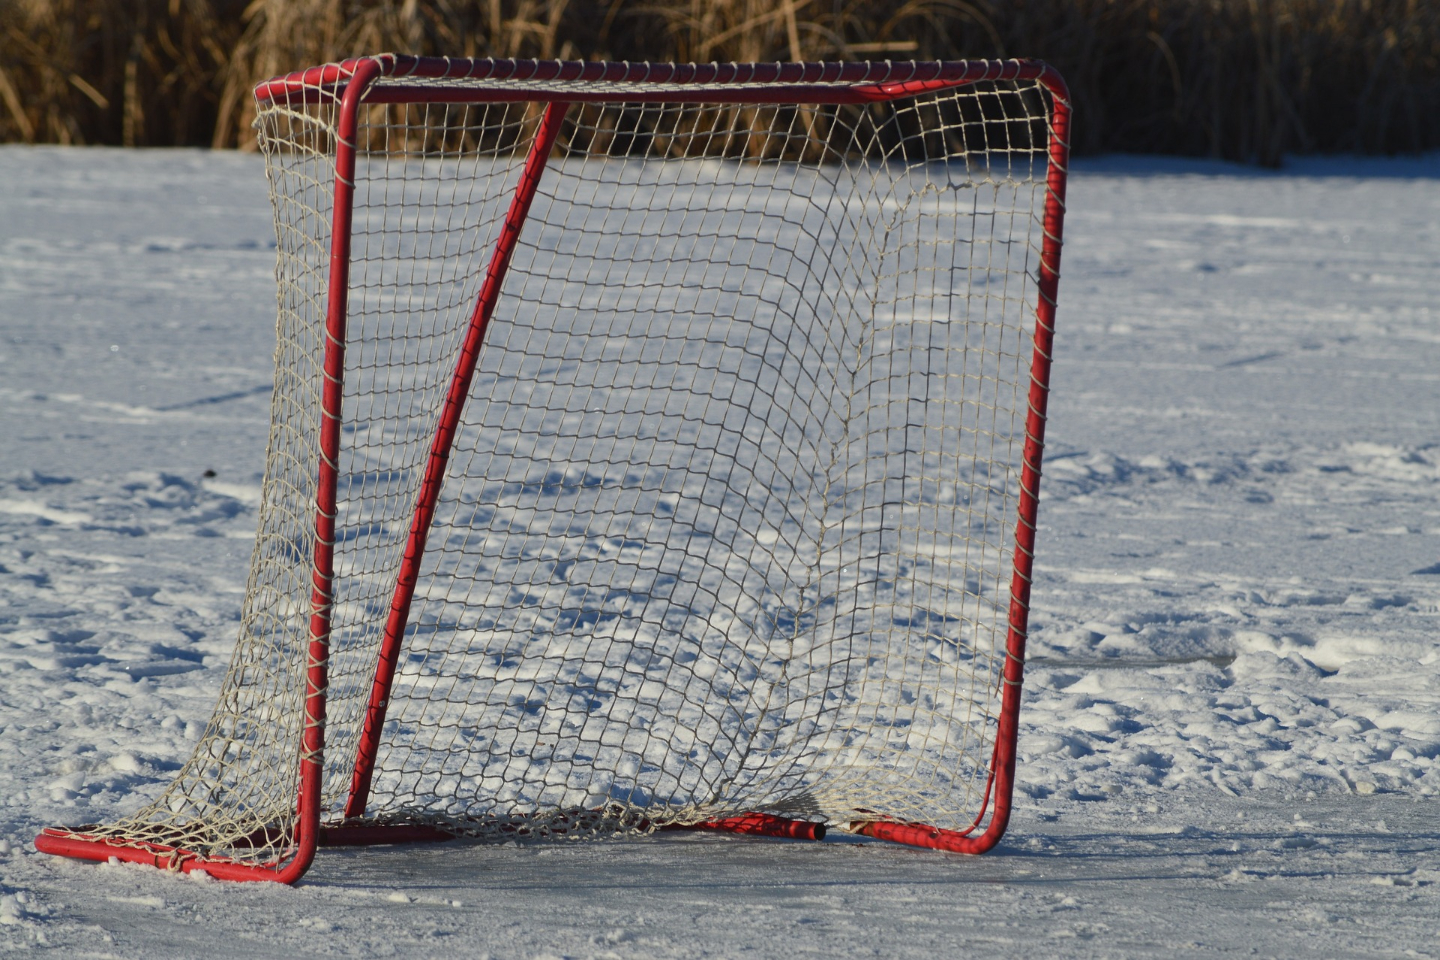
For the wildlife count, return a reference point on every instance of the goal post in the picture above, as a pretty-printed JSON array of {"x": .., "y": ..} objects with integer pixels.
[{"x": 653, "y": 447}]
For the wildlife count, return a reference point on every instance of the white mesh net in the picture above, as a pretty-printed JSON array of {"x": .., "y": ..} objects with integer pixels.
[{"x": 727, "y": 526}]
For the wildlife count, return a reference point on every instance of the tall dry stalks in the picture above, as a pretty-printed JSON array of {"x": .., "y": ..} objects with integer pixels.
[
  {"x": 107, "y": 71},
  {"x": 1245, "y": 79},
  {"x": 280, "y": 35}
]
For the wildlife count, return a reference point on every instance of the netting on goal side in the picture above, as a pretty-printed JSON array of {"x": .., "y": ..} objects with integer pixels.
[{"x": 728, "y": 522}]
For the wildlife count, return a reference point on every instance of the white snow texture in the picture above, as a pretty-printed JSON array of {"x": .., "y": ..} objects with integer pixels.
[{"x": 1230, "y": 732}]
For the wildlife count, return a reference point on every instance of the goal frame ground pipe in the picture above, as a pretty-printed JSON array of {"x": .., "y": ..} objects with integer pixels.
[{"x": 355, "y": 83}]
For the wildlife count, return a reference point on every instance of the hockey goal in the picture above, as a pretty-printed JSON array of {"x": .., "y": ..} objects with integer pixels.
[{"x": 653, "y": 446}]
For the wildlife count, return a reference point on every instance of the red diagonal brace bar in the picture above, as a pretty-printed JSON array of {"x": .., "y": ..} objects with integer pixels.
[{"x": 445, "y": 431}]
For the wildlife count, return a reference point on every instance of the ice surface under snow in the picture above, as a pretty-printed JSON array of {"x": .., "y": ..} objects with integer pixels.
[{"x": 1230, "y": 732}]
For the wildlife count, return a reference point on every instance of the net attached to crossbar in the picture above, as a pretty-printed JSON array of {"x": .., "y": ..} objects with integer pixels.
[{"x": 728, "y": 522}]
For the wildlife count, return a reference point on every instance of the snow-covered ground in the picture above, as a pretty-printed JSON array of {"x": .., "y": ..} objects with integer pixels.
[{"x": 1232, "y": 717}]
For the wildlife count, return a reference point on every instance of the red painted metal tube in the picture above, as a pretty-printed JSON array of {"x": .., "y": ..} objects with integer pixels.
[
  {"x": 750, "y": 824},
  {"x": 402, "y": 93},
  {"x": 784, "y": 82},
  {"x": 1002, "y": 764},
  {"x": 1052, "y": 225},
  {"x": 314, "y": 78},
  {"x": 81, "y": 847},
  {"x": 446, "y": 428},
  {"x": 312, "y": 748},
  {"x": 312, "y": 756},
  {"x": 759, "y": 825},
  {"x": 921, "y": 835},
  {"x": 857, "y": 72}
]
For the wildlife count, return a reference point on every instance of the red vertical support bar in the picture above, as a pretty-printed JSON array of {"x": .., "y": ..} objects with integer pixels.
[
  {"x": 1001, "y": 787},
  {"x": 446, "y": 428},
  {"x": 1052, "y": 223},
  {"x": 322, "y": 596},
  {"x": 312, "y": 746}
]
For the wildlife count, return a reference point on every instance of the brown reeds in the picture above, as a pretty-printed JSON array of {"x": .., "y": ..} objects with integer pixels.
[
  {"x": 1243, "y": 79},
  {"x": 105, "y": 71}
]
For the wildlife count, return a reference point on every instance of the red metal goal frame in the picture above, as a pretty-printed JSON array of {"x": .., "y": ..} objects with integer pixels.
[{"x": 353, "y": 83}]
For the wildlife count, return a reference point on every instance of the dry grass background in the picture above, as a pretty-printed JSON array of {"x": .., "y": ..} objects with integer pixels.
[{"x": 1242, "y": 79}]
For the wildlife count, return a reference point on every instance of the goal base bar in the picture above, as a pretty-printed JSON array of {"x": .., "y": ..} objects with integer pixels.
[
  {"x": 922, "y": 835},
  {"x": 171, "y": 859},
  {"x": 176, "y": 859},
  {"x": 749, "y": 824}
]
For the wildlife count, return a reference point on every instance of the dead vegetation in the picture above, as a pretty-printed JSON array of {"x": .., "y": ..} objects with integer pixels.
[{"x": 1242, "y": 79}]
